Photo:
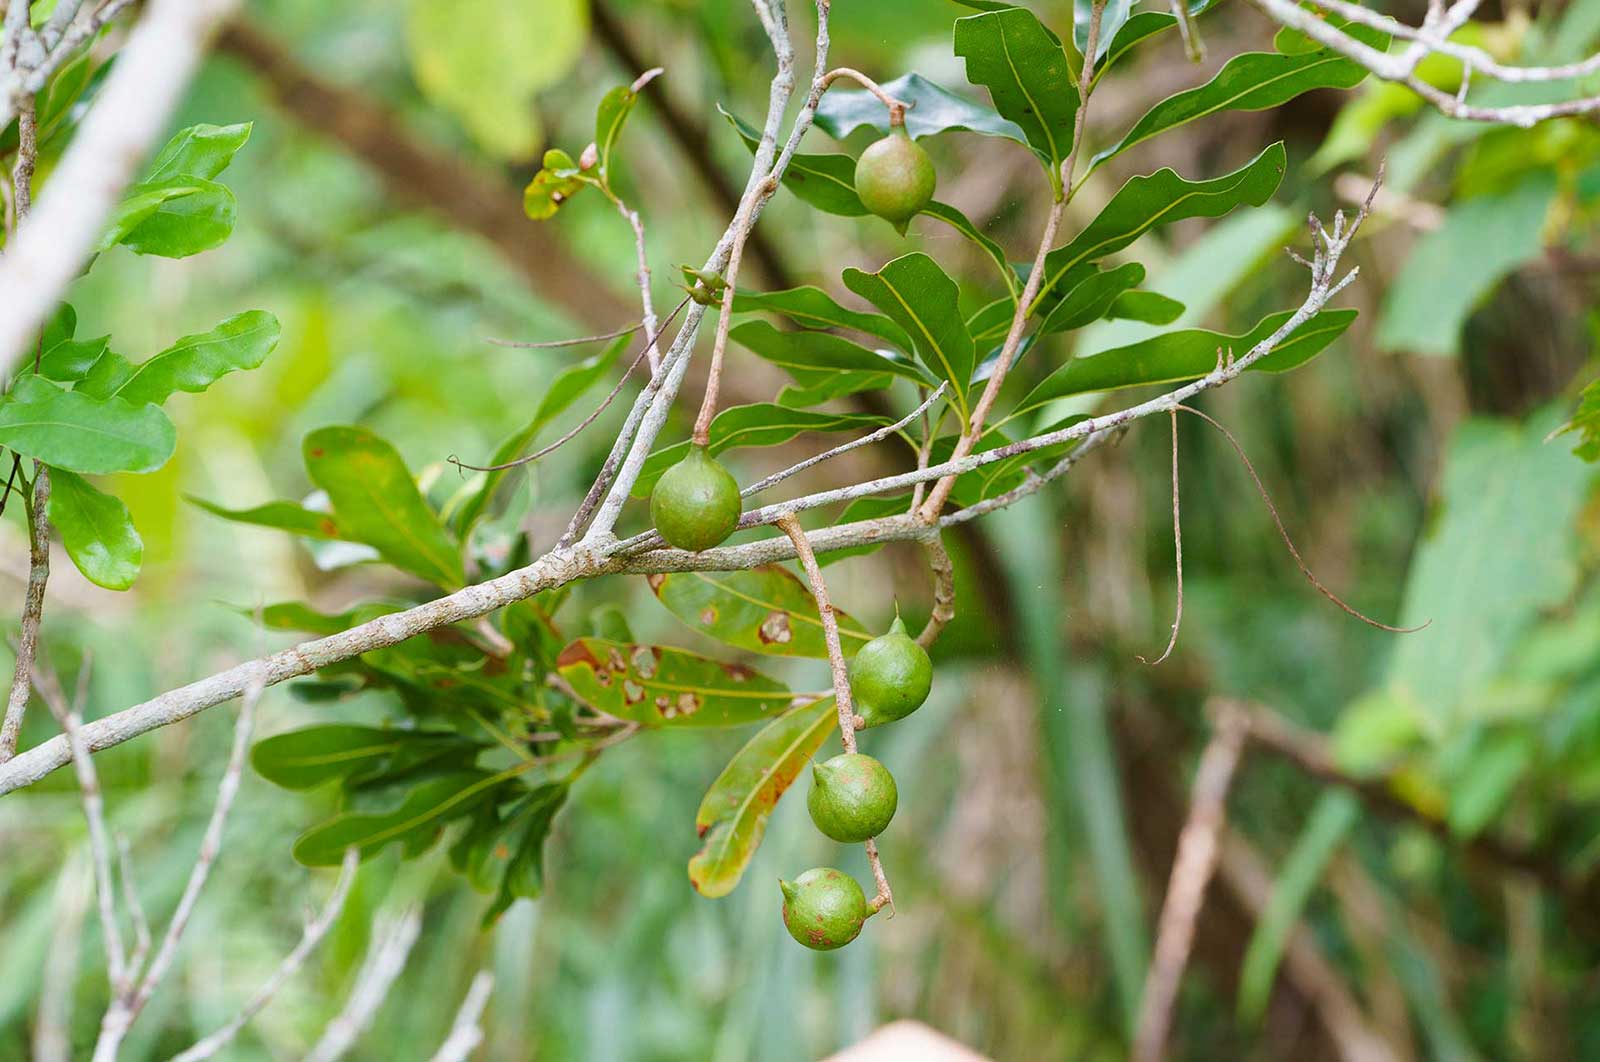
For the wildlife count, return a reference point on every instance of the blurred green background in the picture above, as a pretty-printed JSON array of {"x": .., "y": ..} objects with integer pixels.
[{"x": 1043, "y": 787}]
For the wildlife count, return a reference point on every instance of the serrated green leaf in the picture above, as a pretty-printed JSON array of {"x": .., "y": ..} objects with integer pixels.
[
  {"x": 376, "y": 501},
  {"x": 416, "y": 823},
  {"x": 202, "y": 151},
  {"x": 1253, "y": 81},
  {"x": 96, "y": 530},
  {"x": 1186, "y": 354},
  {"x": 191, "y": 364},
  {"x": 811, "y": 307},
  {"x": 1025, "y": 69},
  {"x": 1161, "y": 198},
  {"x": 660, "y": 686},
  {"x": 285, "y": 516},
  {"x": 733, "y": 814},
  {"x": 827, "y": 182},
  {"x": 917, "y": 295},
  {"x": 568, "y": 386},
  {"x": 758, "y": 424},
  {"x": 764, "y": 610},
  {"x": 934, "y": 109},
  {"x": 65, "y": 429}
]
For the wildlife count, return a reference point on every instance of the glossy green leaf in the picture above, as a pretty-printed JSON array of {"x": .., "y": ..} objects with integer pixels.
[
  {"x": 1112, "y": 16},
  {"x": 191, "y": 364},
  {"x": 813, "y": 356},
  {"x": 811, "y": 307},
  {"x": 827, "y": 182},
  {"x": 376, "y": 501},
  {"x": 568, "y": 386},
  {"x": 297, "y": 616},
  {"x": 184, "y": 225},
  {"x": 96, "y": 530},
  {"x": 1092, "y": 298},
  {"x": 1135, "y": 31},
  {"x": 285, "y": 516},
  {"x": 140, "y": 203},
  {"x": 759, "y": 424},
  {"x": 922, "y": 299},
  {"x": 934, "y": 109},
  {"x": 62, "y": 326},
  {"x": 1146, "y": 307},
  {"x": 65, "y": 429},
  {"x": 733, "y": 815},
  {"x": 415, "y": 823},
  {"x": 1253, "y": 81},
  {"x": 610, "y": 116},
  {"x": 659, "y": 686},
  {"x": 1186, "y": 355},
  {"x": 70, "y": 360},
  {"x": 202, "y": 151},
  {"x": 1161, "y": 198},
  {"x": 763, "y": 610},
  {"x": 1025, "y": 69},
  {"x": 305, "y": 759}
]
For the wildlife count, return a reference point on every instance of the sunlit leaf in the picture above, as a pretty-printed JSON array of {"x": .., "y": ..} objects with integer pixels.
[
  {"x": 96, "y": 530},
  {"x": 183, "y": 225},
  {"x": 763, "y": 610},
  {"x": 66, "y": 429},
  {"x": 659, "y": 686},
  {"x": 733, "y": 815},
  {"x": 202, "y": 151},
  {"x": 191, "y": 364},
  {"x": 376, "y": 501}
]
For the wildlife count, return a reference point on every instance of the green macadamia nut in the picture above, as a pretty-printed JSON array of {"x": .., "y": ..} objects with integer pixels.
[
  {"x": 852, "y": 797},
  {"x": 895, "y": 178},
  {"x": 696, "y": 504},
  {"x": 823, "y": 908},
  {"x": 890, "y": 677}
]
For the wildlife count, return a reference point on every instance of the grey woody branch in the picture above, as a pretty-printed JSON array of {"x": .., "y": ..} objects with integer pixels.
[{"x": 1432, "y": 38}]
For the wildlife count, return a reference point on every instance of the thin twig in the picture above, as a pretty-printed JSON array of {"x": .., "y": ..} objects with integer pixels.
[
  {"x": 1177, "y": 549},
  {"x": 1191, "y": 873},
  {"x": 944, "y": 589},
  {"x": 315, "y": 930},
  {"x": 576, "y": 341},
  {"x": 650, "y": 342},
  {"x": 790, "y": 526},
  {"x": 1283, "y": 532},
  {"x": 897, "y": 107},
  {"x": 865, "y": 440},
  {"x": 465, "y": 1033},
  {"x": 392, "y": 940},
  {"x": 973, "y": 431}
]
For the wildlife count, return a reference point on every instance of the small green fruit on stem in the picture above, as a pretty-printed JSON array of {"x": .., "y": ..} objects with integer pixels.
[
  {"x": 696, "y": 504},
  {"x": 890, "y": 677},
  {"x": 823, "y": 908},
  {"x": 853, "y": 797},
  {"x": 895, "y": 178}
]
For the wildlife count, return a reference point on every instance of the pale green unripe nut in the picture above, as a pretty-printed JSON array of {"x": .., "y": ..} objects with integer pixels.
[
  {"x": 890, "y": 677},
  {"x": 696, "y": 504},
  {"x": 895, "y": 178},
  {"x": 823, "y": 908},
  {"x": 853, "y": 797}
]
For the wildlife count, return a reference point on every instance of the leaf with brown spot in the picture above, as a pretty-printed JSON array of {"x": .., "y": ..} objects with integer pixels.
[
  {"x": 733, "y": 815},
  {"x": 674, "y": 688},
  {"x": 764, "y": 610}
]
